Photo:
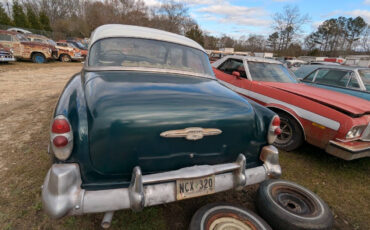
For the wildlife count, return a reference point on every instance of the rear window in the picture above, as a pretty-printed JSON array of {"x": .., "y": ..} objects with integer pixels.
[{"x": 146, "y": 53}]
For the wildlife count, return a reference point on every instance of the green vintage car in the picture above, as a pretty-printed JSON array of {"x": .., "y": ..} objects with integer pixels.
[{"x": 145, "y": 123}]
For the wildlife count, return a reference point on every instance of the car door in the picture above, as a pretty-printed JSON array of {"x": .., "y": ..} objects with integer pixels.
[{"x": 226, "y": 69}]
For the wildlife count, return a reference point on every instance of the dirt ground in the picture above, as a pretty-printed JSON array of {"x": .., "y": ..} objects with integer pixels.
[{"x": 28, "y": 93}]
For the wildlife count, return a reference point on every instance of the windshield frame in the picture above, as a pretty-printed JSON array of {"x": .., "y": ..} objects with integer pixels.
[{"x": 89, "y": 67}]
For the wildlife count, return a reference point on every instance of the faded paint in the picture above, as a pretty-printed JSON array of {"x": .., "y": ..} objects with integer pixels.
[
  {"x": 22, "y": 48},
  {"x": 64, "y": 48}
]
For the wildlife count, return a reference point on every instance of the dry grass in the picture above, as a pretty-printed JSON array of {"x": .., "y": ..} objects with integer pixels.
[{"x": 28, "y": 94}]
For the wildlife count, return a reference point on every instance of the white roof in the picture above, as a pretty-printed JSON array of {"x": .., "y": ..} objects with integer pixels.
[
  {"x": 117, "y": 30},
  {"x": 246, "y": 58}
]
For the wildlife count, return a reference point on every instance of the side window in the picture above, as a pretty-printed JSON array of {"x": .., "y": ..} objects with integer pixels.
[
  {"x": 353, "y": 83},
  {"x": 320, "y": 74},
  {"x": 311, "y": 76},
  {"x": 5, "y": 37},
  {"x": 333, "y": 77},
  {"x": 231, "y": 65}
]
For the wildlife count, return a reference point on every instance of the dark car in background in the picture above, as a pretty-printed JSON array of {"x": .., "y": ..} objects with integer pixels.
[
  {"x": 146, "y": 123},
  {"x": 350, "y": 80}
]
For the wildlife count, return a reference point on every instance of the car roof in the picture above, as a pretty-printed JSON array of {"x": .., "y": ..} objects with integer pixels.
[
  {"x": 246, "y": 58},
  {"x": 304, "y": 70},
  {"x": 117, "y": 30}
]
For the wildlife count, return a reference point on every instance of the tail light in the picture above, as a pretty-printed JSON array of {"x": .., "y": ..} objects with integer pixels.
[
  {"x": 61, "y": 137},
  {"x": 274, "y": 129}
]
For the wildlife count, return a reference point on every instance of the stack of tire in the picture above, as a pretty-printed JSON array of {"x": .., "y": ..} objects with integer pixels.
[{"x": 284, "y": 205}]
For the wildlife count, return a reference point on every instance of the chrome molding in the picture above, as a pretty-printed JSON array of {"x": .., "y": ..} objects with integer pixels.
[
  {"x": 145, "y": 69},
  {"x": 62, "y": 194}
]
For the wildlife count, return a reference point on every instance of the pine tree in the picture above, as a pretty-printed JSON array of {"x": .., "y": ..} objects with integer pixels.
[
  {"x": 44, "y": 21},
  {"x": 196, "y": 34},
  {"x": 4, "y": 18},
  {"x": 33, "y": 19},
  {"x": 19, "y": 17}
]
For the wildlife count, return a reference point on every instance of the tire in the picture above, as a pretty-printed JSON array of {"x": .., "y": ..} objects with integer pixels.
[
  {"x": 225, "y": 216},
  {"x": 289, "y": 206},
  {"x": 38, "y": 58},
  {"x": 65, "y": 58},
  {"x": 291, "y": 137}
]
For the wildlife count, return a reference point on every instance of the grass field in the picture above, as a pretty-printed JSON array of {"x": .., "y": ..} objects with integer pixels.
[{"x": 27, "y": 97}]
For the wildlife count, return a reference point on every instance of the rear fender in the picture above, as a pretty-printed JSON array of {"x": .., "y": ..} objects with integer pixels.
[
  {"x": 292, "y": 113},
  {"x": 72, "y": 105}
]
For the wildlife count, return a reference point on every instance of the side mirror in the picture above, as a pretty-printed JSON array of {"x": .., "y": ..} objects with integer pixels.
[{"x": 236, "y": 74}]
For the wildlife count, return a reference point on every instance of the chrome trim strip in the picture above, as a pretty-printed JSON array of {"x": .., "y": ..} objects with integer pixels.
[
  {"x": 308, "y": 115},
  {"x": 145, "y": 69}
]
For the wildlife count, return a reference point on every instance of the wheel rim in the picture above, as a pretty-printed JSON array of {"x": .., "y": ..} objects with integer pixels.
[
  {"x": 39, "y": 59},
  {"x": 286, "y": 132},
  {"x": 228, "y": 223},
  {"x": 295, "y": 201},
  {"x": 65, "y": 58}
]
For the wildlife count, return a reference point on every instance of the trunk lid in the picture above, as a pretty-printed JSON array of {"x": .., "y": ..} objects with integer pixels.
[{"x": 127, "y": 112}]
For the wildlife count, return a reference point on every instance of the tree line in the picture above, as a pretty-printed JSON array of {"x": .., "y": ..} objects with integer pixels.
[{"x": 78, "y": 18}]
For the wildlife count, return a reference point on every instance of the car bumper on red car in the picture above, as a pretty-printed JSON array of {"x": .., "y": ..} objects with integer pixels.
[
  {"x": 62, "y": 193},
  {"x": 349, "y": 150}
]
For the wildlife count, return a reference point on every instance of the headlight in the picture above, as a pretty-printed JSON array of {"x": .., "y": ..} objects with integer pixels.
[
  {"x": 50, "y": 50},
  {"x": 11, "y": 51},
  {"x": 355, "y": 132}
]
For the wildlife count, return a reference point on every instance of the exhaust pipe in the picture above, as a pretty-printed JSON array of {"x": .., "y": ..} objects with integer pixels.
[{"x": 107, "y": 220}]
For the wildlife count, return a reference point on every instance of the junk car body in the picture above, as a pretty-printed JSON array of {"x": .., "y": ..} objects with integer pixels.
[
  {"x": 24, "y": 49},
  {"x": 68, "y": 52},
  {"x": 6, "y": 54},
  {"x": 146, "y": 122},
  {"x": 333, "y": 121},
  {"x": 350, "y": 80}
]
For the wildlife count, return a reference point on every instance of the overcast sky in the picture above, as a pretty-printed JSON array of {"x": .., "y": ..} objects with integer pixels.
[{"x": 243, "y": 17}]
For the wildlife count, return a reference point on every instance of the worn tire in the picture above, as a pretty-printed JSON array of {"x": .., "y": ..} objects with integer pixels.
[
  {"x": 296, "y": 139},
  {"x": 65, "y": 58},
  {"x": 38, "y": 58},
  {"x": 222, "y": 215},
  {"x": 289, "y": 206}
]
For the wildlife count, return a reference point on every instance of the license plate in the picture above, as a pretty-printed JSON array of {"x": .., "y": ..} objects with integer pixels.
[{"x": 188, "y": 188}]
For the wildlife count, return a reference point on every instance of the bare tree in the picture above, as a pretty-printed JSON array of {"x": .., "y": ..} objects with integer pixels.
[{"x": 288, "y": 24}]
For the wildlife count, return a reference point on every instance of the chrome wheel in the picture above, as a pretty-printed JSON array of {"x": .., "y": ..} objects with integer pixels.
[{"x": 286, "y": 132}]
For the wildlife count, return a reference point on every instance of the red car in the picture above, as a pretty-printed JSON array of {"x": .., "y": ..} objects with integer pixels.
[{"x": 333, "y": 121}]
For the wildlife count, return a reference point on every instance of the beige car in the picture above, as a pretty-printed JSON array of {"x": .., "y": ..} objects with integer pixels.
[{"x": 24, "y": 49}]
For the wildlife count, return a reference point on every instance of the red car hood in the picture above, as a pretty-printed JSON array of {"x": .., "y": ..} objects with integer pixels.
[{"x": 342, "y": 102}]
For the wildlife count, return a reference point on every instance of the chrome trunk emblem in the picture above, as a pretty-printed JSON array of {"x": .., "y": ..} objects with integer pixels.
[{"x": 192, "y": 133}]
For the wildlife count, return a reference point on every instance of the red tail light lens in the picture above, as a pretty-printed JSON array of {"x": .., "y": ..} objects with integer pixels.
[
  {"x": 276, "y": 121},
  {"x": 61, "y": 137},
  {"x": 60, "y": 126},
  {"x": 277, "y": 131},
  {"x": 60, "y": 141}
]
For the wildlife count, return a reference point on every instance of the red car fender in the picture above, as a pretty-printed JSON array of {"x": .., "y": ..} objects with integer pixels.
[{"x": 291, "y": 112}]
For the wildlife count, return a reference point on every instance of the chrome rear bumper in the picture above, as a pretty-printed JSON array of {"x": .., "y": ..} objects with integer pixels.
[{"x": 62, "y": 193}]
